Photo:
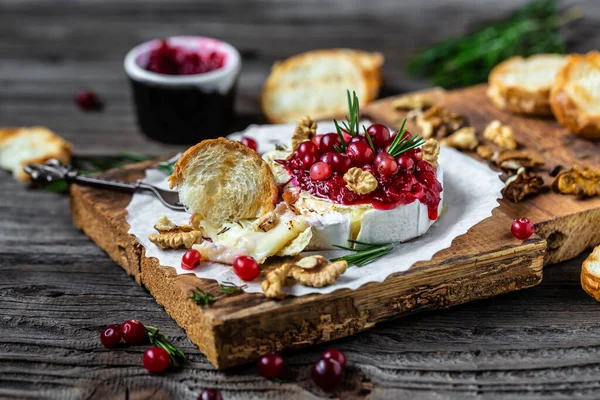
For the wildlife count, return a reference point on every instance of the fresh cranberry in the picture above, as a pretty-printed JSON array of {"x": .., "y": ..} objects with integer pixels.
[
  {"x": 210, "y": 394},
  {"x": 360, "y": 153},
  {"x": 317, "y": 140},
  {"x": 327, "y": 157},
  {"x": 250, "y": 143},
  {"x": 327, "y": 373},
  {"x": 308, "y": 147},
  {"x": 405, "y": 162},
  {"x": 246, "y": 268},
  {"x": 133, "y": 331},
  {"x": 329, "y": 142},
  {"x": 270, "y": 365},
  {"x": 380, "y": 135},
  {"x": 320, "y": 171},
  {"x": 308, "y": 160},
  {"x": 385, "y": 164},
  {"x": 156, "y": 359},
  {"x": 191, "y": 259},
  {"x": 522, "y": 228},
  {"x": 87, "y": 100},
  {"x": 110, "y": 336},
  {"x": 346, "y": 135},
  {"x": 358, "y": 139},
  {"x": 335, "y": 355},
  {"x": 340, "y": 163},
  {"x": 416, "y": 154}
]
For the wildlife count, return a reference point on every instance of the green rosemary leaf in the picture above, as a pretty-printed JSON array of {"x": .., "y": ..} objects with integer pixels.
[
  {"x": 369, "y": 140},
  {"x": 343, "y": 144},
  {"x": 368, "y": 244},
  {"x": 201, "y": 297},
  {"x": 361, "y": 257},
  {"x": 158, "y": 339},
  {"x": 230, "y": 288}
]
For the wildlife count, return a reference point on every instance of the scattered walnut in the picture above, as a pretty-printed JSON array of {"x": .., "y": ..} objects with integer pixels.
[
  {"x": 311, "y": 262},
  {"x": 500, "y": 135},
  {"x": 439, "y": 122},
  {"x": 580, "y": 181},
  {"x": 266, "y": 222},
  {"x": 431, "y": 151},
  {"x": 514, "y": 159},
  {"x": 176, "y": 239},
  {"x": 485, "y": 152},
  {"x": 305, "y": 130},
  {"x": 359, "y": 181},
  {"x": 462, "y": 139},
  {"x": 412, "y": 101},
  {"x": 164, "y": 224},
  {"x": 523, "y": 184},
  {"x": 275, "y": 281},
  {"x": 322, "y": 275}
]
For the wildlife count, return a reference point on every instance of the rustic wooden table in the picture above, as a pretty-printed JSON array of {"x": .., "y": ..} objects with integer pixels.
[{"x": 57, "y": 289}]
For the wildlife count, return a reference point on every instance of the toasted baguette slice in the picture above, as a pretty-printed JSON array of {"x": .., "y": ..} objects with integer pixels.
[
  {"x": 590, "y": 274},
  {"x": 222, "y": 180},
  {"x": 575, "y": 96},
  {"x": 31, "y": 145},
  {"x": 522, "y": 85},
  {"x": 315, "y": 84}
]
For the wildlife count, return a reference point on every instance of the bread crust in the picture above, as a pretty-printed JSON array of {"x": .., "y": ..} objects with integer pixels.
[
  {"x": 225, "y": 148},
  {"x": 590, "y": 281},
  {"x": 565, "y": 109},
  {"x": 515, "y": 98}
]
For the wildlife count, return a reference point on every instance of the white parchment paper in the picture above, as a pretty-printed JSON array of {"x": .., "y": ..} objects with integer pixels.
[{"x": 471, "y": 190}]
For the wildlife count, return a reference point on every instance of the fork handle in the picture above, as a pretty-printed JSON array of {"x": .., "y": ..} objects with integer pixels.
[{"x": 75, "y": 177}]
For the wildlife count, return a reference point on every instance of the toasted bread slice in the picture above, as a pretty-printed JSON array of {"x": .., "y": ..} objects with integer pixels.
[
  {"x": 222, "y": 180},
  {"x": 315, "y": 84},
  {"x": 575, "y": 95},
  {"x": 522, "y": 85},
  {"x": 590, "y": 274},
  {"x": 31, "y": 145}
]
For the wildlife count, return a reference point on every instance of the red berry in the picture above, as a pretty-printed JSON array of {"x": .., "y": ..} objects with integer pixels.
[
  {"x": 308, "y": 160},
  {"x": 328, "y": 142},
  {"x": 327, "y": 373},
  {"x": 110, "y": 336},
  {"x": 346, "y": 135},
  {"x": 522, "y": 228},
  {"x": 317, "y": 140},
  {"x": 380, "y": 135},
  {"x": 405, "y": 162},
  {"x": 340, "y": 163},
  {"x": 210, "y": 394},
  {"x": 385, "y": 164},
  {"x": 246, "y": 268},
  {"x": 156, "y": 359},
  {"x": 191, "y": 259},
  {"x": 335, "y": 355},
  {"x": 327, "y": 157},
  {"x": 250, "y": 143},
  {"x": 133, "y": 331},
  {"x": 87, "y": 100},
  {"x": 358, "y": 139},
  {"x": 308, "y": 147},
  {"x": 360, "y": 153},
  {"x": 270, "y": 365},
  {"x": 416, "y": 154},
  {"x": 320, "y": 171}
]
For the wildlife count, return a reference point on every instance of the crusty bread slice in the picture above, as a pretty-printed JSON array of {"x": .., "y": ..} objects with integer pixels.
[
  {"x": 315, "y": 84},
  {"x": 575, "y": 95},
  {"x": 590, "y": 274},
  {"x": 222, "y": 180},
  {"x": 31, "y": 145},
  {"x": 522, "y": 85}
]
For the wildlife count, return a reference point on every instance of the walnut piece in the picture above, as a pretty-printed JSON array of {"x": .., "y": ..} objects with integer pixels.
[
  {"x": 275, "y": 281},
  {"x": 500, "y": 135},
  {"x": 580, "y": 181},
  {"x": 514, "y": 159},
  {"x": 176, "y": 239},
  {"x": 485, "y": 152},
  {"x": 322, "y": 275},
  {"x": 462, "y": 139},
  {"x": 164, "y": 224},
  {"x": 431, "y": 151},
  {"x": 411, "y": 102},
  {"x": 523, "y": 184},
  {"x": 439, "y": 122},
  {"x": 359, "y": 181},
  {"x": 266, "y": 222},
  {"x": 305, "y": 130}
]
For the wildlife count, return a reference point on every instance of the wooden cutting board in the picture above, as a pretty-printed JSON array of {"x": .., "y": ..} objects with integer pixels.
[{"x": 486, "y": 261}]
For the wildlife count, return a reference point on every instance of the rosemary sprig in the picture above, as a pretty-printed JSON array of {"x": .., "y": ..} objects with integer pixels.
[
  {"x": 362, "y": 257},
  {"x": 158, "y": 339},
  {"x": 230, "y": 288},
  {"x": 369, "y": 140},
  {"x": 166, "y": 166},
  {"x": 203, "y": 298},
  {"x": 350, "y": 125},
  {"x": 403, "y": 142}
]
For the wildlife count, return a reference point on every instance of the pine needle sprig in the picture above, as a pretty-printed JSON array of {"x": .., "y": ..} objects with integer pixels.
[
  {"x": 369, "y": 140},
  {"x": 351, "y": 124},
  {"x": 158, "y": 339},
  {"x": 403, "y": 142},
  {"x": 362, "y": 257},
  {"x": 204, "y": 298}
]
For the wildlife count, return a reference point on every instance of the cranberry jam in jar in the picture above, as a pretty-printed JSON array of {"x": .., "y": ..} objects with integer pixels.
[{"x": 183, "y": 87}]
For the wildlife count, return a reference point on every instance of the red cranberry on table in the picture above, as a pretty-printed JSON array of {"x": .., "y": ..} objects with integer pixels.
[
  {"x": 191, "y": 259},
  {"x": 329, "y": 142},
  {"x": 320, "y": 171},
  {"x": 156, "y": 359},
  {"x": 210, "y": 394},
  {"x": 133, "y": 331},
  {"x": 335, "y": 355},
  {"x": 87, "y": 100},
  {"x": 327, "y": 373},
  {"x": 385, "y": 164},
  {"x": 110, "y": 336},
  {"x": 246, "y": 268},
  {"x": 360, "y": 153},
  {"x": 270, "y": 365},
  {"x": 250, "y": 143},
  {"x": 522, "y": 228},
  {"x": 380, "y": 135}
]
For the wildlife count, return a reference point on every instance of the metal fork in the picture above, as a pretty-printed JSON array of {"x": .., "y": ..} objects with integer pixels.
[{"x": 53, "y": 170}]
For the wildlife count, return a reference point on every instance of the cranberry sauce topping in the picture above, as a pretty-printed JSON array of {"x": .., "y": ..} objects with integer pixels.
[
  {"x": 399, "y": 182},
  {"x": 176, "y": 60}
]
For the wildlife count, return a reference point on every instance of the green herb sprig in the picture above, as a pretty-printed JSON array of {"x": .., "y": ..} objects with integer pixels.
[
  {"x": 403, "y": 142},
  {"x": 158, "y": 339},
  {"x": 350, "y": 125},
  {"x": 362, "y": 257},
  {"x": 203, "y": 298}
]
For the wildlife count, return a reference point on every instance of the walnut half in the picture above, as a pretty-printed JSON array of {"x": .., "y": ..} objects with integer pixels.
[
  {"x": 431, "y": 151},
  {"x": 514, "y": 159},
  {"x": 359, "y": 181},
  {"x": 305, "y": 130},
  {"x": 501, "y": 135},
  {"x": 322, "y": 275},
  {"x": 580, "y": 181},
  {"x": 172, "y": 236},
  {"x": 522, "y": 184},
  {"x": 462, "y": 139}
]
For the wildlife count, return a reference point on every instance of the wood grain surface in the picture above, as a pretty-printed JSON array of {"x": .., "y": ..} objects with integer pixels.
[{"x": 57, "y": 289}]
